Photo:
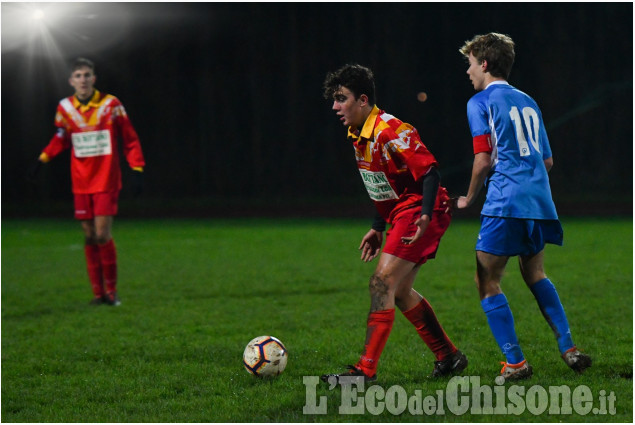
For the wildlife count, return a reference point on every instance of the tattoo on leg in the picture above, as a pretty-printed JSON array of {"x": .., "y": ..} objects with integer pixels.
[{"x": 378, "y": 293}]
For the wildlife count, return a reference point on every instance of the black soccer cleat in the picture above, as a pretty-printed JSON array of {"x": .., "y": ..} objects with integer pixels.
[
  {"x": 112, "y": 299},
  {"x": 452, "y": 364},
  {"x": 576, "y": 360},
  {"x": 351, "y": 371},
  {"x": 99, "y": 300}
]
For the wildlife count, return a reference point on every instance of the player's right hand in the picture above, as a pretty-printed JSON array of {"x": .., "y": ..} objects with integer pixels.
[{"x": 371, "y": 245}]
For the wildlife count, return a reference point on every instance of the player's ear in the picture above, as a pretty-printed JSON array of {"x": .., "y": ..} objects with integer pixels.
[
  {"x": 363, "y": 100},
  {"x": 484, "y": 65}
]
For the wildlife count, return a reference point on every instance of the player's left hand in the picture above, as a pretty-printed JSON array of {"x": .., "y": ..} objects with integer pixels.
[{"x": 422, "y": 224}]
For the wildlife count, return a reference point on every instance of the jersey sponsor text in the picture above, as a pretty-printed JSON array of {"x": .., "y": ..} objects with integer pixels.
[{"x": 92, "y": 143}]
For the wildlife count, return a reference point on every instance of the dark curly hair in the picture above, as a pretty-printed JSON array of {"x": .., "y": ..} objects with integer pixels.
[{"x": 357, "y": 78}]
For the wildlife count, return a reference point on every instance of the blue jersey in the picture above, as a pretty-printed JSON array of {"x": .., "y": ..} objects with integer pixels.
[{"x": 518, "y": 185}]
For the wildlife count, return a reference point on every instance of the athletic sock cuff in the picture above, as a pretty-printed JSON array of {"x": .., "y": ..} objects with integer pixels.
[
  {"x": 111, "y": 242},
  {"x": 541, "y": 285},
  {"x": 493, "y": 302},
  {"x": 414, "y": 312},
  {"x": 383, "y": 315}
]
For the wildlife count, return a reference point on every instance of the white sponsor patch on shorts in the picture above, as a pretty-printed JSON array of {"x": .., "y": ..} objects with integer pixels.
[
  {"x": 92, "y": 143},
  {"x": 377, "y": 185}
]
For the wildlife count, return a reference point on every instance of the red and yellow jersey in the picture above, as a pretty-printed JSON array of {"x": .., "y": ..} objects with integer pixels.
[
  {"x": 92, "y": 132},
  {"x": 392, "y": 160}
]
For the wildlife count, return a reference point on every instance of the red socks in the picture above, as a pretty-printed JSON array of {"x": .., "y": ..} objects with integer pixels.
[
  {"x": 378, "y": 329},
  {"x": 93, "y": 264},
  {"x": 380, "y": 324},
  {"x": 425, "y": 321},
  {"x": 101, "y": 263},
  {"x": 108, "y": 255}
]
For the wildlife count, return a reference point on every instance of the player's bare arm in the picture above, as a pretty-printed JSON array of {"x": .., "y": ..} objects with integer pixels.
[
  {"x": 549, "y": 163},
  {"x": 480, "y": 169}
]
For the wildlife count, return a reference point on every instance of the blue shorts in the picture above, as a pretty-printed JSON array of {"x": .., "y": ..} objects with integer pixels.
[{"x": 506, "y": 236}]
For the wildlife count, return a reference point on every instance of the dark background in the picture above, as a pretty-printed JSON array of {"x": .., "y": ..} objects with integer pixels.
[{"x": 227, "y": 98}]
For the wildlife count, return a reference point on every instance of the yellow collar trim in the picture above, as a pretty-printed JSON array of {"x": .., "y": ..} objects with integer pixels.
[
  {"x": 369, "y": 126},
  {"x": 93, "y": 102}
]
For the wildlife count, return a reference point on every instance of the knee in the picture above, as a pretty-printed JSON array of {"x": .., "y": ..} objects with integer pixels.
[
  {"x": 487, "y": 286},
  {"x": 102, "y": 238},
  {"x": 378, "y": 284},
  {"x": 489, "y": 289}
]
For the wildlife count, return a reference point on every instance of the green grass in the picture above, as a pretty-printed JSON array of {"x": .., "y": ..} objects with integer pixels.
[{"x": 195, "y": 292}]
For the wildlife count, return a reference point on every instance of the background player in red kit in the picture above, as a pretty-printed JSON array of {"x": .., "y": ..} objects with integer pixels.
[
  {"x": 90, "y": 123},
  {"x": 401, "y": 178}
]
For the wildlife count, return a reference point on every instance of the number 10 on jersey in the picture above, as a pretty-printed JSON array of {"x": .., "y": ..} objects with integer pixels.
[{"x": 530, "y": 116}]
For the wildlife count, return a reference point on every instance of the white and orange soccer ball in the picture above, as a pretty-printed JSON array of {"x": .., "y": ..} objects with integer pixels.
[{"x": 265, "y": 356}]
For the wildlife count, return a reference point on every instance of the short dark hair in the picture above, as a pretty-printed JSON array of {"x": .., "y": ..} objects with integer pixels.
[
  {"x": 497, "y": 49},
  {"x": 81, "y": 63},
  {"x": 357, "y": 78}
]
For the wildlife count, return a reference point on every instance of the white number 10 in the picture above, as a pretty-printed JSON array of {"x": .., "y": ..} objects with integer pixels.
[{"x": 530, "y": 116}]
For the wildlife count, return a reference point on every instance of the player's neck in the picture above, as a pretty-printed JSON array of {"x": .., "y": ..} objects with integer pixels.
[
  {"x": 366, "y": 110},
  {"x": 85, "y": 100},
  {"x": 489, "y": 79}
]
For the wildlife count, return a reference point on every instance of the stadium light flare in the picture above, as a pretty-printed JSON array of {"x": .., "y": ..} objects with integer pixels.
[
  {"x": 83, "y": 28},
  {"x": 38, "y": 14},
  {"x": 68, "y": 29}
]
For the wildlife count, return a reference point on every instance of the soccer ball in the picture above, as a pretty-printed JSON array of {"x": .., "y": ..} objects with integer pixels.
[{"x": 265, "y": 356}]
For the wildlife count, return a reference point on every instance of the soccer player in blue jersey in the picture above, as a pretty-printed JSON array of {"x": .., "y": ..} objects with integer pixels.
[{"x": 511, "y": 159}]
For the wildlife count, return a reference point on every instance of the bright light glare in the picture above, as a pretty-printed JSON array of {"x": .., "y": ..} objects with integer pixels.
[{"x": 74, "y": 28}]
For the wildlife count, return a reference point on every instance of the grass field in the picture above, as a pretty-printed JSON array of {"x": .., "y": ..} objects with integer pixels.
[{"x": 194, "y": 292}]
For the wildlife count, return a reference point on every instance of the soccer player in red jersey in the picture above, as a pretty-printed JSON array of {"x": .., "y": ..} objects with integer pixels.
[
  {"x": 90, "y": 124},
  {"x": 401, "y": 177}
]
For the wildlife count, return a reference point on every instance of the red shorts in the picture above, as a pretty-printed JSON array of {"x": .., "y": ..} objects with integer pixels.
[
  {"x": 426, "y": 247},
  {"x": 89, "y": 205}
]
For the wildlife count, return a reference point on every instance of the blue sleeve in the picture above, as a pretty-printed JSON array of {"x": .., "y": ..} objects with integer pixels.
[{"x": 477, "y": 116}]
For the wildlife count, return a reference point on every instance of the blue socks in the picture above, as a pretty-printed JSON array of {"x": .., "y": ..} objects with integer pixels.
[
  {"x": 551, "y": 308},
  {"x": 501, "y": 322}
]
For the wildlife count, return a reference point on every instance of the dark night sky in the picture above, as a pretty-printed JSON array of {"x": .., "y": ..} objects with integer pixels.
[{"x": 227, "y": 98}]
